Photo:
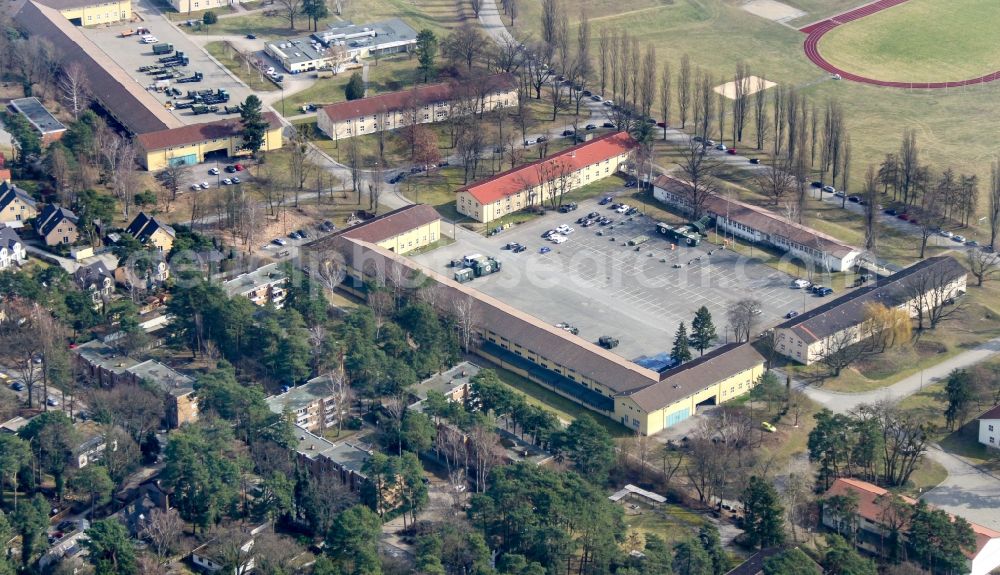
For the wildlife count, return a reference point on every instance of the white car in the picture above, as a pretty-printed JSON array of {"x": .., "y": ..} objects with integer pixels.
[
  {"x": 204, "y": 185},
  {"x": 195, "y": 187},
  {"x": 721, "y": 147},
  {"x": 945, "y": 234},
  {"x": 150, "y": 40},
  {"x": 830, "y": 190},
  {"x": 621, "y": 209},
  {"x": 226, "y": 182},
  {"x": 214, "y": 171},
  {"x": 557, "y": 239},
  {"x": 801, "y": 284},
  {"x": 562, "y": 229}
]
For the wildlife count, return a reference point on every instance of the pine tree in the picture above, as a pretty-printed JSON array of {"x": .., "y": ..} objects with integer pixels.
[
  {"x": 355, "y": 88},
  {"x": 702, "y": 330},
  {"x": 426, "y": 49},
  {"x": 680, "y": 351},
  {"x": 763, "y": 515},
  {"x": 254, "y": 125}
]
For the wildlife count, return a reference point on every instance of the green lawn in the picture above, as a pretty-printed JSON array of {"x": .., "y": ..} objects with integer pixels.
[
  {"x": 388, "y": 75},
  {"x": 919, "y": 41},
  {"x": 672, "y": 523},
  {"x": 251, "y": 77}
]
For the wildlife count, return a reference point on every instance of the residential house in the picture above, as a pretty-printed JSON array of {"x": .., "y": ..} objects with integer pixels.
[
  {"x": 92, "y": 446},
  {"x": 424, "y": 104},
  {"x": 217, "y": 554},
  {"x": 736, "y": 219},
  {"x": 926, "y": 285},
  {"x": 312, "y": 404},
  {"x": 151, "y": 232},
  {"x": 989, "y": 427},
  {"x": 12, "y": 250},
  {"x": 872, "y": 524},
  {"x": 180, "y": 400},
  {"x": 57, "y": 225},
  {"x": 97, "y": 280},
  {"x": 146, "y": 271},
  {"x": 16, "y": 205},
  {"x": 545, "y": 180},
  {"x": 264, "y": 285},
  {"x": 342, "y": 45},
  {"x": 326, "y": 460}
]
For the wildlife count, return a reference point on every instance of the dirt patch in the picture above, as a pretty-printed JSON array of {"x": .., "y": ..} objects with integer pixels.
[
  {"x": 754, "y": 84},
  {"x": 773, "y": 10}
]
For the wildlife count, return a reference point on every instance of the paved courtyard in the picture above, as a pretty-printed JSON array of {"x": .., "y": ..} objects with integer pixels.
[
  {"x": 604, "y": 287},
  {"x": 130, "y": 53}
]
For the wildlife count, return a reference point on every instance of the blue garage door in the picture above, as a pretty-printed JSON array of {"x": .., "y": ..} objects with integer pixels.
[
  {"x": 188, "y": 160},
  {"x": 677, "y": 417}
]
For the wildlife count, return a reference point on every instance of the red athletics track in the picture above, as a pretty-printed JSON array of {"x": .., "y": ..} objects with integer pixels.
[{"x": 816, "y": 31}]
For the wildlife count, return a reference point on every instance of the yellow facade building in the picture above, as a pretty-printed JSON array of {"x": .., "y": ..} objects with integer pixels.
[
  {"x": 546, "y": 180},
  {"x": 400, "y": 231},
  {"x": 608, "y": 384},
  {"x": 91, "y": 13},
  {"x": 193, "y": 144}
]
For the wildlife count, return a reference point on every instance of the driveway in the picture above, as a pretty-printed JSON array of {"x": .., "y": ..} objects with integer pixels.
[{"x": 969, "y": 491}]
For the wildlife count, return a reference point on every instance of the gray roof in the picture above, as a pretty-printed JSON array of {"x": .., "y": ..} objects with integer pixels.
[
  {"x": 163, "y": 377},
  {"x": 91, "y": 274},
  {"x": 447, "y": 381},
  {"x": 51, "y": 216},
  {"x": 848, "y": 310},
  {"x": 99, "y": 354},
  {"x": 8, "y": 237},
  {"x": 8, "y": 192},
  {"x": 43, "y": 120},
  {"x": 688, "y": 378},
  {"x": 143, "y": 226},
  {"x": 119, "y": 94},
  {"x": 296, "y": 398},
  {"x": 349, "y": 455},
  {"x": 260, "y": 277}
]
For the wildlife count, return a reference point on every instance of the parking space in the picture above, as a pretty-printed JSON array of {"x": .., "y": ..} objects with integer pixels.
[
  {"x": 639, "y": 294},
  {"x": 131, "y": 54}
]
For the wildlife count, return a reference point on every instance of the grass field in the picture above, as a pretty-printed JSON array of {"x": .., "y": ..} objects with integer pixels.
[
  {"x": 252, "y": 78},
  {"x": 920, "y": 41},
  {"x": 388, "y": 75}
]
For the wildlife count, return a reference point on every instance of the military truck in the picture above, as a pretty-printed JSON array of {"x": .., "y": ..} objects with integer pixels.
[
  {"x": 164, "y": 48},
  {"x": 484, "y": 266},
  {"x": 679, "y": 234}
]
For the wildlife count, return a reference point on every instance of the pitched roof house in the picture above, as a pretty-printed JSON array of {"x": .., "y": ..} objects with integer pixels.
[
  {"x": 11, "y": 248},
  {"x": 57, "y": 225},
  {"x": 989, "y": 427},
  {"x": 150, "y": 231},
  {"x": 16, "y": 205},
  {"x": 95, "y": 279}
]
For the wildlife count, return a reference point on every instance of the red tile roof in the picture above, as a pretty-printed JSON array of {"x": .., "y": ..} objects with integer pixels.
[
  {"x": 423, "y": 95},
  {"x": 195, "y": 133},
  {"x": 529, "y": 175},
  {"x": 871, "y": 507}
]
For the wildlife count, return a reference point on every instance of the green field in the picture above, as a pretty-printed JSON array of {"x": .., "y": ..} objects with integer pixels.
[{"x": 919, "y": 41}]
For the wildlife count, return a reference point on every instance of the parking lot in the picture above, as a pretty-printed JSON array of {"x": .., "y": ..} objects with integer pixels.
[
  {"x": 604, "y": 287},
  {"x": 130, "y": 53}
]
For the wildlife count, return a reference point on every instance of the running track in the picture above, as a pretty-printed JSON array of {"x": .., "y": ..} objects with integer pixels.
[{"x": 814, "y": 32}]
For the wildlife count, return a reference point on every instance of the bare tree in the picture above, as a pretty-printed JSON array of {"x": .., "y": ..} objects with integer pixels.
[
  {"x": 994, "y": 203},
  {"x": 74, "y": 88},
  {"x": 841, "y": 349},
  {"x": 909, "y": 166},
  {"x": 933, "y": 297},
  {"x": 603, "y": 47},
  {"x": 743, "y": 316},
  {"x": 162, "y": 529},
  {"x": 466, "y": 320},
  {"x": 647, "y": 85},
  {"x": 684, "y": 89},
  {"x": 486, "y": 453},
  {"x": 699, "y": 172},
  {"x": 982, "y": 265},
  {"x": 665, "y": 84},
  {"x": 289, "y": 9},
  {"x": 704, "y": 106},
  {"x": 35, "y": 57},
  {"x": 870, "y": 194},
  {"x": 741, "y": 100},
  {"x": 775, "y": 181},
  {"x": 760, "y": 113},
  {"x": 466, "y": 43}
]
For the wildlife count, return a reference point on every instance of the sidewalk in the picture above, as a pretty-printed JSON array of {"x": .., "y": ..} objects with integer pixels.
[{"x": 845, "y": 402}]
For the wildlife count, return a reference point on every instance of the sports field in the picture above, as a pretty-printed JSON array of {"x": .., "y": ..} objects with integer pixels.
[{"x": 919, "y": 41}]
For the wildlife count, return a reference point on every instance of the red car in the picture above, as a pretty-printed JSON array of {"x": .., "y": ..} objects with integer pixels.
[
  {"x": 239, "y": 167},
  {"x": 904, "y": 217},
  {"x": 661, "y": 124},
  {"x": 731, "y": 151}
]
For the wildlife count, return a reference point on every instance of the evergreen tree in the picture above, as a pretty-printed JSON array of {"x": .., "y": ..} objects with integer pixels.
[
  {"x": 30, "y": 521},
  {"x": 426, "y": 48},
  {"x": 680, "y": 351},
  {"x": 841, "y": 558},
  {"x": 708, "y": 535},
  {"x": 355, "y": 88},
  {"x": 763, "y": 515},
  {"x": 939, "y": 543},
  {"x": 353, "y": 541},
  {"x": 254, "y": 126},
  {"x": 110, "y": 548},
  {"x": 960, "y": 395},
  {"x": 791, "y": 562},
  {"x": 315, "y": 10},
  {"x": 702, "y": 330},
  {"x": 589, "y": 446},
  {"x": 690, "y": 559}
]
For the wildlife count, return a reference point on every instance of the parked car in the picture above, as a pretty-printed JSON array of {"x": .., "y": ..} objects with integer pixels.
[
  {"x": 972, "y": 244},
  {"x": 829, "y": 189},
  {"x": 945, "y": 234},
  {"x": 791, "y": 314},
  {"x": 766, "y": 425},
  {"x": 226, "y": 182},
  {"x": 17, "y": 386},
  {"x": 824, "y": 292},
  {"x": 238, "y": 167},
  {"x": 721, "y": 147},
  {"x": 279, "y": 242},
  {"x": 755, "y": 161},
  {"x": 568, "y": 133},
  {"x": 593, "y": 215},
  {"x": 605, "y": 200},
  {"x": 890, "y": 212},
  {"x": 195, "y": 187},
  {"x": 595, "y": 98},
  {"x": 542, "y": 139},
  {"x": 839, "y": 194},
  {"x": 853, "y": 199},
  {"x": 51, "y": 401},
  {"x": 518, "y": 249},
  {"x": 557, "y": 239},
  {"x": 591, "y": 127},
  {"x": 731, "y": 151},
  {"x": 230, "y": 169},
  {"x": 548, "y": 234},
  {"x": 237, "y": 180},
  {"x": 801, "y": 283},
  {"x": 609, "y": 103},
  {"x": 816, "y": 184},
  {"x": 622, "y": 209},
  {"x": 544, "y": 250},
  {"x": 566, "y": 208},
  {"x": 608, "y": 125},
  {"x": 214, "y": 171},
  {"x": 564, "y": 229},
  {"x": 204, "y": 185},
  {"x": 661, "y": 124},
  {"x": 295, "y": 236},
  {"x": 607, "y": 342},
  {"x": 958, "y": 238}
]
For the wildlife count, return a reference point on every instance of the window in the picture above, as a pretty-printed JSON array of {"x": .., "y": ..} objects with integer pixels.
[
  {"x": 992, "y": 440},
  {"x": 991, "y": 428}
]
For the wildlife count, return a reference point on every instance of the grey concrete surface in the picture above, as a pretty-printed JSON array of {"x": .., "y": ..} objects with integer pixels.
[
  {"x": 969, "y": 491},
  {"x": 605, "y": 288}
]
